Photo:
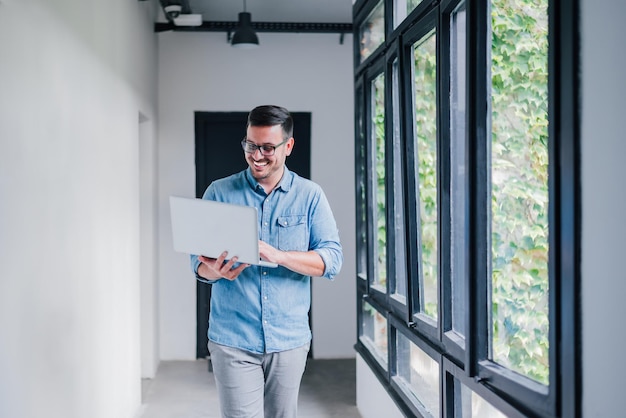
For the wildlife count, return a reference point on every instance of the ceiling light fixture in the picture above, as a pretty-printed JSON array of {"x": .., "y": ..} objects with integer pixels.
[{"x": 244, "y": 36}]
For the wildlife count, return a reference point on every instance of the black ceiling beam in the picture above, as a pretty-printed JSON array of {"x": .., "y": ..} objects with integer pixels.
[
  {"x": 228, "y": 27},
  {"x": 209, "y": 26}
]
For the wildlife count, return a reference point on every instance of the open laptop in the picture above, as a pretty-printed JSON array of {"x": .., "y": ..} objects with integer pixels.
[{"x": 208, "y": 228}]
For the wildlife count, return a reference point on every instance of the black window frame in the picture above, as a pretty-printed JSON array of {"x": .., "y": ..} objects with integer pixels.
[
  {"x": 372, "y": 73},
  {"x": 467, "y": 359},
  {"x": 421, "y": 322}
]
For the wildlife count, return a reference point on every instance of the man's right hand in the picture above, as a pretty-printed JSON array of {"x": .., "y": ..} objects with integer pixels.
[{"x": 219, "y": 268}]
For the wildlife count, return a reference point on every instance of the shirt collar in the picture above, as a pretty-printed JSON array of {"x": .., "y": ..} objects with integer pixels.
[{"x": 284, "y": 184}]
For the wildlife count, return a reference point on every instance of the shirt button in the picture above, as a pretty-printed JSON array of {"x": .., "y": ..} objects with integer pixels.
[
  {"x": 265, "y": 223},
  {"x": 265, "y": 297},
  {"x": 265, "y": 322},
  {"x": 265, "y": 273}
]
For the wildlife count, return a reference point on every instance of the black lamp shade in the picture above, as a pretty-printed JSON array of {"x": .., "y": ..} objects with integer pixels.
[{"x": 244, "y": 36}]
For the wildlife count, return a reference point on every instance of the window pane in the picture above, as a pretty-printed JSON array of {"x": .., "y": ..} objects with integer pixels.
[
  {"x": 468, "y": 404},
  {"x": 361, "y": 190},
  {"x": 419, "y": 374},
  {"x": 398, "y": 212},
  {"x": 378, "y": 133},
  {"x": 458, "y": 196},
  {"x": 519, "y": 183},
  {"x": 402, "y": 8},
  {"x": 374, "y": 332},
  {"x": 372, "y": 31},
  {"x": 425, "y": 99}
]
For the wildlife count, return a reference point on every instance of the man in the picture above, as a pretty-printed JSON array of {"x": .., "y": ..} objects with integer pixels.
[{"x": 259, "y": 334}]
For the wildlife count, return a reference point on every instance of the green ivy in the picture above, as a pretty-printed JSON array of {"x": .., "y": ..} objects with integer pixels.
[
  {"x": 519, "y": 174},
  {"x": 519, "y": 182},
  {"x": 378, "y": 90},
  {"x": 425, "y": 114}
]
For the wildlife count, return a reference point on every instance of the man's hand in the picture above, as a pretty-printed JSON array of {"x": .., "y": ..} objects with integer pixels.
[
  {"x": 269, "y": 253},
  {"x": 308, "y": 263},
  {"x": 217, "y": 268}
]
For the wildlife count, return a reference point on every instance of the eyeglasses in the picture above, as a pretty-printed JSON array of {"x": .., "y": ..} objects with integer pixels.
[{"x": 266, "y": 150}]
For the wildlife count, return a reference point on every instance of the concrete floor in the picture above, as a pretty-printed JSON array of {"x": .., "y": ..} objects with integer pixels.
[{"x": 186, "y": 389}]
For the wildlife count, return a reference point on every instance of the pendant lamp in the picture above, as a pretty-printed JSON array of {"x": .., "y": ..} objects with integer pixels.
[{"x": 245, "y": 37}]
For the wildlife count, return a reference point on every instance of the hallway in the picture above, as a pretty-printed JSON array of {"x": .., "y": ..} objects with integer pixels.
[{"x": 185, "y": 389}]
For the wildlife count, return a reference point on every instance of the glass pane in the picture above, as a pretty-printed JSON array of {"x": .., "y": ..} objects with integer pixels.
[
  {"x": 361, "y": 190},
  {"x": 398, "y": 212},
  {"x": 374, "y": 332},
  {"x": 419, "y": 374},
  {"x": 468, "y": 404},
  {"x": 378, "y": 137},
  {"x": 458, "y": 196},
  {"x": 425, "y": 99},
  {"x": 372, "y": 31},
  {"x": 402, "y": 8},
  {"x": 519, "y": 183}
]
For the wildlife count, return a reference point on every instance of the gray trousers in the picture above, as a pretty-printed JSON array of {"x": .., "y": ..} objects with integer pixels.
[{"x": 254, "y": 385}]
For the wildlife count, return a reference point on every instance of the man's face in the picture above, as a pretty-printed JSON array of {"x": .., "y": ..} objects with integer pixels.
[{"x": 267, "y": 168}]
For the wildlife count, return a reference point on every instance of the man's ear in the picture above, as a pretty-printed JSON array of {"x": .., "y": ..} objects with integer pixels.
[{"x": 289, "y": 145}]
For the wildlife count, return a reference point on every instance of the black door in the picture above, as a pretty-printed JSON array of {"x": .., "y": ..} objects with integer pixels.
[{"x": 219, "y": 154}]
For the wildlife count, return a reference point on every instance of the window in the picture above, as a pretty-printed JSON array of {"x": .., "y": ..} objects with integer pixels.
[
  {"x": 372, "y": 32},
  {"x": 424, "y": 77},
  {"x": 397, "y": 278},
  {"x": 467, "y": 205},
  {"x": 373, "y": 333},
  {"x": 379, "y": 188},
  {"x": 458, "y": 173},
  {"x": 401, "y": 10},
  {"x": 519, "y": 188},
  {"x": 417, "y": 374}
]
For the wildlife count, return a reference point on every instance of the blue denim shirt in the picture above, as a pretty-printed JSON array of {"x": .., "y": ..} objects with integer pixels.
[{"x": 265, "y": 310}]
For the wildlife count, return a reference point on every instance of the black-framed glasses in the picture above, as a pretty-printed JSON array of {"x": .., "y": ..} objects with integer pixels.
[{"x": 266, "y": 150}]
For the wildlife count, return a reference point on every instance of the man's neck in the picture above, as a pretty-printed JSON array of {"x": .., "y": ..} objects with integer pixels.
[{"x": 270, "y": 183}]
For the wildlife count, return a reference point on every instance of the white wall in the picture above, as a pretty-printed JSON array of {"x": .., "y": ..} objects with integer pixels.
[
  {"x": 371, "y": 397},
  {"x": 604, "y": 206},
  {"x": 148, "y": 242},
  {"x": 74, "y": 77},
  {"x": 303, "y": 72}
]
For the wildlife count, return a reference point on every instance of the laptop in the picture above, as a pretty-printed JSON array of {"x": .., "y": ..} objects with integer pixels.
[{"x": 208, "y": 228}]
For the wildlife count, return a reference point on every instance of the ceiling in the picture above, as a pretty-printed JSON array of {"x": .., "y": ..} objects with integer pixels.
[{"x": 318, "y": 11}]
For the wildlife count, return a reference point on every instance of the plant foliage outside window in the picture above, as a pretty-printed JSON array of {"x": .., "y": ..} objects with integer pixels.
[
  {"x": 378, "y": 92},
  {"x": 425, "y": 99},
  {"x": 461, "y": 211},
  {"x": 519, "y": 181}
]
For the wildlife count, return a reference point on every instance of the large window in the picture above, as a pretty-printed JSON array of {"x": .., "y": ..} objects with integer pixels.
[{"x": 467, "y": 204}]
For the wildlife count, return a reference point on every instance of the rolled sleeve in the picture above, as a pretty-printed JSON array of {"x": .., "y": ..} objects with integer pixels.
[
  {"x": 325, "y": 237},
  {"x": 195, "y": 263},
  {"x": 333, "y": 260}
]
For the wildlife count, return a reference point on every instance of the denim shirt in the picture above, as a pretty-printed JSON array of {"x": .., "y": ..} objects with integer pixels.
[{"x": 265, "y": 310}]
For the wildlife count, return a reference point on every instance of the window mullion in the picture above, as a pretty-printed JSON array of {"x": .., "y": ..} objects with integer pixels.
[{"x": 477, "y": 248}]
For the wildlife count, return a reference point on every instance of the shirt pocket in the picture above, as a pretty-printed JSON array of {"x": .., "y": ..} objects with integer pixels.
[{"x": 292, "y": 233}]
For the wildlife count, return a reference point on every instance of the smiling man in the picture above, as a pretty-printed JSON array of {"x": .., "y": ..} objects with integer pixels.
[{"x": 259, "y": 334}]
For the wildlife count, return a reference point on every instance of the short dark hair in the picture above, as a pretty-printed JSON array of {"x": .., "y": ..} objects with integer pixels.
[{"x": 270, "y": 115}]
